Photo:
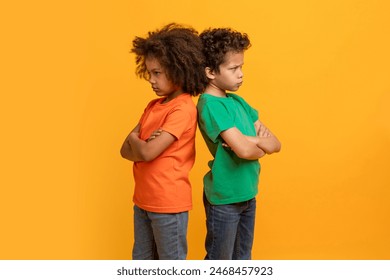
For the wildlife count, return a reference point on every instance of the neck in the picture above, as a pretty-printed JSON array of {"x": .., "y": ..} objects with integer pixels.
[
  {"x": 173, "y": 95},
  {"x": 212, "y": 89}
]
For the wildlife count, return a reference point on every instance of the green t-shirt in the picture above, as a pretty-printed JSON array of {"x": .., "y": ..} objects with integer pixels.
[{"x": 231, "y": 179}]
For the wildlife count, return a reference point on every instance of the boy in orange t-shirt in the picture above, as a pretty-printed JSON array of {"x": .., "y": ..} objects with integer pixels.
[{"x": 162, "y": 145}]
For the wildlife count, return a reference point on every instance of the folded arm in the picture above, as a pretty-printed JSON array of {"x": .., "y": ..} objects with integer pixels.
[
  {"x": 126, "y": 150},
  {"x": 136, "y": 149},
  {"x": 266, "y": 140},
  {"x": 149, "y": 150},
  {"x": 241, "y": 145}
]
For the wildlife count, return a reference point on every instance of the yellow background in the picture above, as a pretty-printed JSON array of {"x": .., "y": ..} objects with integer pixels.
[{"x": 318, "y": 72}]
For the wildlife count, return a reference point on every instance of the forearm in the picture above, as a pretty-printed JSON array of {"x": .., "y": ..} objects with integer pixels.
[
  {"x": 269, "y": 144},
  {"x": 250, "y": 151},
  {"x": 266, "y": 140},
  {"x": 151, "y": 148},
  {"x": 139, "y": 147},
  {"x": 261, "y": 148},
  {"x": 243, "y": 146},
  {"x": 127, "y": 151},
  {"x": 252, "y": 139},
  {"x": 256, "y": 153}
]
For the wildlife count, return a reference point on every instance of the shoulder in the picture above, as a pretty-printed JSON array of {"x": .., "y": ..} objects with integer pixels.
[
  {"x": 154, "y": 102},
  {"x": 237, "y": 97},
  {"x": 207, "y": 100},
  {"x": 183, "y": 105},
  {"x": 240, "y": 99},
  {"x": 217, "y": 109},
  {"x": 184, "y": 102}
]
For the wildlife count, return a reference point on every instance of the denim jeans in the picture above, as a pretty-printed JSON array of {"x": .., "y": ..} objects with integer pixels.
[
  {"x": 230, "y": 230},
  {"x": 159, "y": 236}
]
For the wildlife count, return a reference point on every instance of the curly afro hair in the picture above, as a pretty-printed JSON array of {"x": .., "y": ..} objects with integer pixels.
[
  {"x": 179, "y": 51},
  {"x": 218, "y": 41}
]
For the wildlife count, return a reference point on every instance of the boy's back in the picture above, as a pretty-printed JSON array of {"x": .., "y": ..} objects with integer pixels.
[{"x": 232, "y": 179}]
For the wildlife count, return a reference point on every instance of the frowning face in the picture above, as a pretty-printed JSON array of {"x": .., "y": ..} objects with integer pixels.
[
  {"x": 161, "y": 85},
  {"x": 230, "y": 75}
]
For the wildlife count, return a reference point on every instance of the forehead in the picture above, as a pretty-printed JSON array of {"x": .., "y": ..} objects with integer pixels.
[
  {"x": 236, "y": 58},
  {"x": 152, "y": 63}
]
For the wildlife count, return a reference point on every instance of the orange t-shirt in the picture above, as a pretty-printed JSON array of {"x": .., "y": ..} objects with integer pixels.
[{"x": 162, "y": 185}]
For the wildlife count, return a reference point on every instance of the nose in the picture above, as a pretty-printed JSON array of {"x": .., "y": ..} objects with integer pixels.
[{"x": 240, "y": 73}]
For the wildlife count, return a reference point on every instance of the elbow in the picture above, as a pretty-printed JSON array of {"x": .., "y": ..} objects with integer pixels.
[
  {"x": 126, "y": 155},
  {"x": 278, "y": 147},
  {"x": 243, "y": 154},
  {"x": 275, "y": 149},
  {"x": 246, "y": 153},
  {"x": 123, "y": 153}
]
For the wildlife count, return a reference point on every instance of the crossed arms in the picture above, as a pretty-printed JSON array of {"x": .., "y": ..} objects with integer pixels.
[
  {"x": 251, "y": 147},
  {"x": 136, "y": 149},
  {"x": 247, "y": 147}
]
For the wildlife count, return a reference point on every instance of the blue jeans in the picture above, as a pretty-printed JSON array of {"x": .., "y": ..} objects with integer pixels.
[
  {"x": 159, "y": 236},
  {"x": 230, "y": 230}
]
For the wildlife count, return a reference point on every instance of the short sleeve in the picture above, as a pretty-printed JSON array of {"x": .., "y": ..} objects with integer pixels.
[
  {"x": 177, "y": 122},
  {"x": 214, "y": 119},
  {"x": 253, "y": 113}
]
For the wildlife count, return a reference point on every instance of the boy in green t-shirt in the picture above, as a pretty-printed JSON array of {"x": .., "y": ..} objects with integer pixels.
[{"x": 236, "y": 139}]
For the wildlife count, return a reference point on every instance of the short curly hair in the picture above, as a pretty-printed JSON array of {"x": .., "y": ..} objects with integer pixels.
[
  {"x": 219, "y": 41},
  {"x": 178, "y": 49}
]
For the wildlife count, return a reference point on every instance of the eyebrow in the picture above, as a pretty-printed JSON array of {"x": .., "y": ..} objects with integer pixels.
[{"x": 236, "y": 65}]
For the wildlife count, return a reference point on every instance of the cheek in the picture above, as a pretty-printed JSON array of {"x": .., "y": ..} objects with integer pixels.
[
  {"x": 171, "y": 85},
  {"x": 228, "y": 78}
]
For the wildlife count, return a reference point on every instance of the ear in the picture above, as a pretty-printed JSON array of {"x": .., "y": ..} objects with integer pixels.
[{"x": 209, "y": 73}]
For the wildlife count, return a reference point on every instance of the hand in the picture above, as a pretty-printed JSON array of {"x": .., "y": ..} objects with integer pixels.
[
  {"x": 154, "y": 134},
  {"x": 225, "y": 145},
  {"x": 263, "y": 131}
]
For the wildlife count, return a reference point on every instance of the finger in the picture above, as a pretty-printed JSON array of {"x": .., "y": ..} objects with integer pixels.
[
  {"x": 262, "y": 130},
  {"x": 156, "y": 133}
]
